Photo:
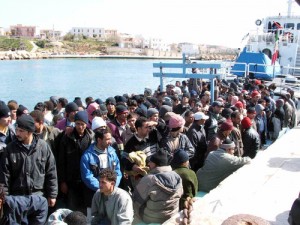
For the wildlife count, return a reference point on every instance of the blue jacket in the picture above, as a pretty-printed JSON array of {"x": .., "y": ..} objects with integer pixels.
[{"x": 90, "y": 167}]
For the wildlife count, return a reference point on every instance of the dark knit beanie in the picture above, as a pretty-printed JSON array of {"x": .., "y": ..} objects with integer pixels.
[
  {"x": 103, "y": 109},
  {"x": 78, "y": 102},
  {"x": 110, "y": 100},
  {"x": 83, "y": 116},
  {"x": 180, "y": 156},
  {"x": 71, "y": 107},
  {"x": 21, "y": 110},
  {"x": 121, "y": 109},
  {"x": 26, "y": 122},
  {"x": 4, "y": 110},
  {"x": 160, "y": 158},
  {"x": 151, "y": 112}
]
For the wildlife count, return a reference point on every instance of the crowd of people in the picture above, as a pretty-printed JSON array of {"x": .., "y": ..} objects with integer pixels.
[{"x": 132, "y": 159}]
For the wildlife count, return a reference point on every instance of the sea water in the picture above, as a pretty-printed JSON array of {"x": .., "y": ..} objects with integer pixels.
[{"x": 32, "y": 81}]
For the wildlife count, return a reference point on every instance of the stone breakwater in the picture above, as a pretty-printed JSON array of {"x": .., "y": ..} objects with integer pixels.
[{"x": 21, "y": 54}]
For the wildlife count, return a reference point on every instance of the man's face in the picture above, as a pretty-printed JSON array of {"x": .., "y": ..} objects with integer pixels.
[
  {"x": 106, "y": 186},
  {"x": 217, "y": 109},
  {"x": 13, "y": 114},
  {"x": 190, "y": 118},
  {"x": 22, "y": 135},
  {"x": 226, "y": 133},
  {"x": 154, "y": 117},
  {"x": 5, "y": 121},
  {"x": 144, "y": 130},
  {"x": 236, "y": 120},
  {"x": 37, "y": 125},
  {"x": 185, "y": 100},
  {"x": 105, "y": 142},
  {"x": 110, "y": 108},
  {"x": 132, "y": 108},
  {"x": 131, "y": 122},
  {"x": 80, "y": 127},
  {"x": 251, "y": 115},
  {"x": 122, "y": 117},
  {"x": 71, "y": 116}
]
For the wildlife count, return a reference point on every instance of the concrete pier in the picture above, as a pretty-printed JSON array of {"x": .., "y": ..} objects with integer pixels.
[{"x": 265, "y": 188}]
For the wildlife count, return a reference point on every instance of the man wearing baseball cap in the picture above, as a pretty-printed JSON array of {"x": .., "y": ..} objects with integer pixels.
[
  {"x": 197, "y": 136},
  {"x": 35, "y": 171}
]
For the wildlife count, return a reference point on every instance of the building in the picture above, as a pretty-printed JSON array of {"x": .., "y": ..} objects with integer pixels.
[
  {"x": 23, "y": 31},
  {"x": 50, "y": 34},
  {"x": 2, "y": 32},
  {"x": 189, "y": 48},
  {"x": 156, "y": 43},
  {"x": 91, "y": 32},
  {"x": 126, "y": 41}
]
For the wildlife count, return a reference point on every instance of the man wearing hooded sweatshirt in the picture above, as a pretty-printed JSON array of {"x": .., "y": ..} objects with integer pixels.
[{"x": 156, "y": 196}]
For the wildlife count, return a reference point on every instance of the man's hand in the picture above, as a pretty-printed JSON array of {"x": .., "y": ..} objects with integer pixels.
[
  {"x": 138, "y": 169},
  {"x": 64, "y": 187},
  {"x": 51, "y": 202}
]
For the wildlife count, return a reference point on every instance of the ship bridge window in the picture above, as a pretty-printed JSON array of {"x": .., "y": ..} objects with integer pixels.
[
  {"x": 289, "y": 26},
  {"x": 298, "y": 26}
]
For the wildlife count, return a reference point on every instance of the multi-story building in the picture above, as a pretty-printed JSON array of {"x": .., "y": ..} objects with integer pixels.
[
  {"x": 23, "y": 31},
  {"x": 156, "y": 43},
  {"x": 50, "y": 34},
  {"x": 91, "y": 32}
]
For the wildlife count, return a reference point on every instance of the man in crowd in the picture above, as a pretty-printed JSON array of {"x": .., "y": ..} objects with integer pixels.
[
  {"x": 28, "y": 165},
  {"x": 197, "y": 136},
  {"x": 97, "y": 157},
  {"x": 7, "y": 131},
  {"x": 211, "y": 124},
  {"x": 156, "y": 196},
  {"x": 218, "y": 165},
  {"x": 49, "y": 134},
  {"x": 236, "y": 135},
  {"x": 250, "y": 138},
  {"x": 71, "y": 148},
  {"x": 70, "y": 111},
  {"x": 111, "y": 205}
]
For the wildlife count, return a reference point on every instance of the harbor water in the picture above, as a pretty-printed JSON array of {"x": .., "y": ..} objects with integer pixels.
[{"x": 32, "y": 81}]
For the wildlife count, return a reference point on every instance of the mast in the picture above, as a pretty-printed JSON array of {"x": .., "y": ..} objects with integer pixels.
[{"x": 289, "y": 13}]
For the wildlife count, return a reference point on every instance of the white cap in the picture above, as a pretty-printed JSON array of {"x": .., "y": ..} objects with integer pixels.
[
  {"x": 98, "y": 122},
  {"x": 200, "y": 116}
]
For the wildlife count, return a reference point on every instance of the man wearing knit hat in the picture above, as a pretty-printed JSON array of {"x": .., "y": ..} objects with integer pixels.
[
  {"x": 156, "y": 196},
  {"x": 71, "y": 148},
  {"x": 255, "y": 96},
  {"x": 183, "y": 106},
  {"x": 189, "y": 179},
  {"x": 7, "y": 131},
  {"x": 211, "y": 124},
  {"x": 70, "y": 110},
  {"x": 197, "y": 136},
  {"x": 111, "y": 107},
  {"x": 250, "y": 138},
  {"x": 35, "y": 164},
  {"x": 219, "y": 165}
]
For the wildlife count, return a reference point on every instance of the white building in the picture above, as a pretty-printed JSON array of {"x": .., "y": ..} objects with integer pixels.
[
  {"x": 189, "y": 48},
  {"x": 156, "y": 43},
  {"x": 91, "y": 32},
  {"x": 2, "y": 32}
]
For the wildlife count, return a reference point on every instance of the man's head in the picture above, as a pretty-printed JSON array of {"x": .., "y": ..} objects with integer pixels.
[
  {"x": 180, "y": 158},
  {"x": 189, "y": 117},
  {"x": 13, "y": 106},
  {"x": 236, "y": 118},
  {"x": 158, "y": 159},
  {"x": 38, "y": 117},
  {"x": 200, "y": 118},
  {"x": 152, "y": 114},
  {"x": 217, "y": 107},
  {"x": 103, "y": 138},
  {"x": 121, "y": 113},
  {"x": 81, "y": 120},
  {"x": 142, "y": 127},
  {"x": 25, "y": 128},
  {"x": 228, "y": 146},
  {"x": 5, "y": 118},
  {"x": 246, "y": 123},
  {"x": 71, "y": 109},
  {"x": 110, "y": 105},
  {"x": 226, "y": 128},
  {"x": 107, "y": 181},
  {"x": 251, "y": 113},
  {"x": 75, "y": 218}
]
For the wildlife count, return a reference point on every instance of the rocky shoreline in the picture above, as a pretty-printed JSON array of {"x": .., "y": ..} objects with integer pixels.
[{"x": 22, "y": 54}]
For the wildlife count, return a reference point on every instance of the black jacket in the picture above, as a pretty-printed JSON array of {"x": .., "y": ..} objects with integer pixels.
[
  {"x": 251, "y": 142},
  {"x": 24, "y": 171},
  {"x": 70, "y": 151}
]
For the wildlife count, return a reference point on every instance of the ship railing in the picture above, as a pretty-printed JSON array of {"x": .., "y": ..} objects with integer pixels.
[{"x": 269, "y": 37}]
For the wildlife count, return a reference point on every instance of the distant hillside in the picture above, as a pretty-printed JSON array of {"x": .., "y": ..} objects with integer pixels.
[{"x": 7, "y": 44}]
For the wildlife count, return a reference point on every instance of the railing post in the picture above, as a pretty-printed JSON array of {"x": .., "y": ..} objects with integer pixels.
[{"x": 161, "y": 79}]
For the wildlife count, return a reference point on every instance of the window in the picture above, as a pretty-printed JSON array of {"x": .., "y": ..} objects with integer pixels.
[
  {"x": 289, "y": 25},
  {"x": 298, "y": 26}
]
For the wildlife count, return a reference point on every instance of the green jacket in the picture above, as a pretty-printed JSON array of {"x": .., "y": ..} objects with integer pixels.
[{"x": 189, "y": 183}]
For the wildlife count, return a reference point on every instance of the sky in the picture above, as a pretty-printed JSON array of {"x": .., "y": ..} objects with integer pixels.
[{"x": 214, "y": 22}]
